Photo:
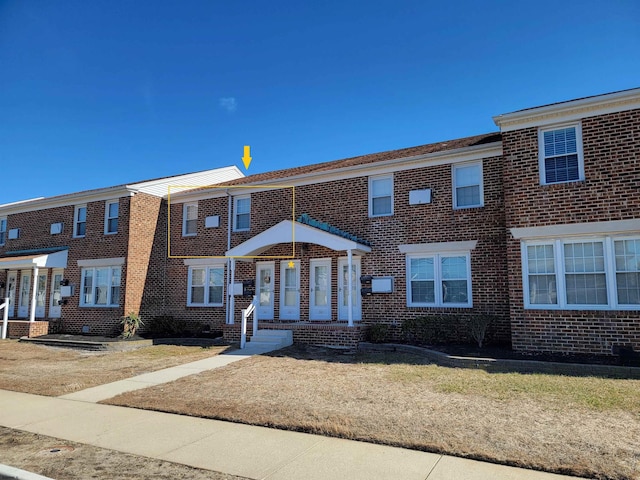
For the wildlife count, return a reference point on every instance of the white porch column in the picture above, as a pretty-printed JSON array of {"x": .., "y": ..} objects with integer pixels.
[
  {"x": 232, "y": 298},
  {"x": 34, "y": 282},
  {"x": 350, "y": 287}
]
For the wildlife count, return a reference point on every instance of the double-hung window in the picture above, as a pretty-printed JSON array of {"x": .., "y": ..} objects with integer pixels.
[
  {"x": 242, "y": 213},
  {"x": 3, "y": 231},
  {"x": 100, "y": 287},
  {"x": 439, "y": 280},
  {"x": 80, "y": 221},
  {"x": 206, "y": 286},
  {"x": 381, "y": 196},
  {"x": 189, "y": 219},
  {"x": 582, "y": 274},
  {"x": 467, "y": 185},
  {"x": 111, "y": 208},
  {"x": 560, "y": 154}
]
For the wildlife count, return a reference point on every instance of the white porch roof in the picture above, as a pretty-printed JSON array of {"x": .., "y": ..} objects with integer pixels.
[
  {"x": 288, "y": 231},
  {"x": 40, "y": 260}
]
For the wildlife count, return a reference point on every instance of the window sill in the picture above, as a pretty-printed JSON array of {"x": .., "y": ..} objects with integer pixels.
[
  {"x": 99, "y": 306},
  {"x": 186, "y": 235},
  {"x": 468, "y": 207},
  {"x": 110, "y": 233},
  {"x": 444, "y": 305},
  {"x": 203, "y": 305}
]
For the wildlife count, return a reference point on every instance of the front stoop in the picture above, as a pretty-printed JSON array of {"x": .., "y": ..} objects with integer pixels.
[{"x": 274, "y": 339}]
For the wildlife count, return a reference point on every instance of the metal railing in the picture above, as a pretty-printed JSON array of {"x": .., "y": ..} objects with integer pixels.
[
  {"x": 250, "y": 310},
  {"x": 5, "y": 317}
]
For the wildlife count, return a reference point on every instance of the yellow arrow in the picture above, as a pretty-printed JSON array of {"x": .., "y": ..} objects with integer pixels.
[{"x": 247, "y": 157}]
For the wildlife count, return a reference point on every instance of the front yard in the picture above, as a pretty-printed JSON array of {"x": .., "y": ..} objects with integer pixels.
[
  {"x": 52, "y": 371},
  {"x": 578, "y": 425}
]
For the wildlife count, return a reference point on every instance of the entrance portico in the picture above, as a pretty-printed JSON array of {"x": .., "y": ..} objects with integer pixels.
[{"x": 289, "y": 232}]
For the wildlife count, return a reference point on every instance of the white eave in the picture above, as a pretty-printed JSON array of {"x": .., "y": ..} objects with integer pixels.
[
  {"x": 66, "y": 200},
  {"x": 164, "y": 186},
  {"x": 569, "y": 111},
  {"x": 445, "y": 157}
]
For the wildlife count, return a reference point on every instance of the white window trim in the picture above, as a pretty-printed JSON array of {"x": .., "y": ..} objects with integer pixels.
[
  {"x": 438, "y": 279},
  {"x": 184, "y": 219},
  {"x": 541, "y": 156},
  {"x": 76, "y": 211},
  {"x": 102, "y": 262},
  {"x": 206, "y": 285},
  {"x": 94, "y": 268},
  {"x": 235, "y": 213},
  {"x": 561, "y": 291},
  {"x": 454, "y": 189},
  {"x": 107, "y": 217},
  {"x": 3, "y": 238},
  {"x": 371, "y": 197}
]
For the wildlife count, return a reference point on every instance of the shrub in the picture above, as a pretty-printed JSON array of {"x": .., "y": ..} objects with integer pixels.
[
  {"x": 377, "y": 333},
  {"x": 130, "y": 324},
  {"x": 167, "y": 325},
  {"x": 433, "y": 330},
  {"x": 478, "y": 325}
]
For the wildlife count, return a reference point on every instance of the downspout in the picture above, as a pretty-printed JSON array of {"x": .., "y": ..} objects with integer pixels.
[{"x": 228, "y": 312}]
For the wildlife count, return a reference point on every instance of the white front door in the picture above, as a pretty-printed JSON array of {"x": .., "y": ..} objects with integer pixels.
[
  {"x": 12, "y": 278},
  {"x": 25, "y": 293},
  {"x": 343, "y": 289},
  {"x": 264, "y": 289},
  {"x": 290, "y": 290},
  {"x": 41, "y": 293},
  {"x": 54, "y": 305},
  {"x": 320, "y": 289}
]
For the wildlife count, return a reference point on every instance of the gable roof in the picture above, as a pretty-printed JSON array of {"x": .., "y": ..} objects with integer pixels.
[{"x": 362, "y": 160}]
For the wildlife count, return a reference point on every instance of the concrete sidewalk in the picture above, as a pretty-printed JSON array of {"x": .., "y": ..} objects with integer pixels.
[
  {"x": 249, "y": 451},
  {"x": 109, "y": 390}
]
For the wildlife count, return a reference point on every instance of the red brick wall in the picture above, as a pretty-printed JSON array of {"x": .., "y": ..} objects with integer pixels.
[
  {"x": 344, "y": 204},
  {"x": 35, "y": 233},
  {"x": 18, "y": 328},
  {"x": 610, "y": 191},
  {"x": 310, "y": 334}
]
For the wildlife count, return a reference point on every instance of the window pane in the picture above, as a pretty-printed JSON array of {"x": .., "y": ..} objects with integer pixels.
[
  {"x": 584, "y": 273},
  {"x": 628, "y": 260},
  {"x": 243, "y": 205},
  {"x": 88, "y": 286},
  {"x": 454, "y": 291},
  {"x": 542, "y": 290},
  {"x": 561, "y": 169},
  {"x": 381, "y": 206},
  {"x": 82, "y": 214},
  {"x": 101, "y": 286},
  {"x": 216, "y": 276},
  {"x": 113, "y": 210},
  {"x": 81, "y": 228},
  {"x": 454, "y": 267},
  {"x": 586, "y": 289},
  {"x": 467, "y": 176},
  {"x": 197, "y": 294},
  {"x": 422, "y": 269},
  {"x": 242, "y": 221},
  {"x": 423, "y": 291},
  {"x": 381, "y": 187},
  {"x": 197, "y": 276},
  {"x": 468, "y": 196}
]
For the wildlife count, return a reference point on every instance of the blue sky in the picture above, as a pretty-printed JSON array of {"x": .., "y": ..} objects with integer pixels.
[{"x": 98, "y": 93}]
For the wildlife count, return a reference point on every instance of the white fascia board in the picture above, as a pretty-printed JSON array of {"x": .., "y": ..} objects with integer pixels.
[
  {"x": 615, "y": 227},
  {"x": 103, "y": 194},
  {"x": 569, "y": 111},
  {"x": 439, "y": 247},
  {"x": 160, "y": 187},
  {"x": 377, "y": 168}
]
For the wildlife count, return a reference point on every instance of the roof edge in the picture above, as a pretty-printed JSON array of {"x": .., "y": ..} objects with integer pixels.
[{"x": 569, "y": 110}]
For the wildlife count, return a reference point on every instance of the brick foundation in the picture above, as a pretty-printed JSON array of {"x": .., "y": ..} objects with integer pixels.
[
  {"x": 24, "y": 328},
  {"x": 332, "y": 334}
]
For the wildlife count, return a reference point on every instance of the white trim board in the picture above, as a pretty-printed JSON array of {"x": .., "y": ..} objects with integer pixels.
[
  {"x": 102, "y": 262},
  {"x": 569, "y": 229}
]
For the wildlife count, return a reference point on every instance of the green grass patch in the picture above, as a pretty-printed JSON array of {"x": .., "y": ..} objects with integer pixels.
[{"x": 592, "y": 392}]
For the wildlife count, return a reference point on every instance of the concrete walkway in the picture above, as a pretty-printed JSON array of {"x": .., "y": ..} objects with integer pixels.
[{"x": 249, "y": 451}]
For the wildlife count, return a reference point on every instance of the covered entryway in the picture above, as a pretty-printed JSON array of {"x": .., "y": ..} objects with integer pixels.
[
  {"x": 294, "y": 233},
  {"x": 32, "y": 286}
]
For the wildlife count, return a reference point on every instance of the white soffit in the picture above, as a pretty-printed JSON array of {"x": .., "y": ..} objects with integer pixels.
[
  {"x": 569, "y": 111},
  {"x": 47, "y": 260}
]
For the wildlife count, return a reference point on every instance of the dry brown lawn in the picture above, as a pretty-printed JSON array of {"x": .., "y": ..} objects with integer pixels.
[
  {"x": 53, "y": 371},
  {"x": 576, "y": 425},
  {"x": 75, "y": 461}
]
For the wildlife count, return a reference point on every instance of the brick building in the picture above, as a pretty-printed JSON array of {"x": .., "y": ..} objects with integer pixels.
[
  {"x": 81, "y": 261},
  {"x": 537, "y": 225}
]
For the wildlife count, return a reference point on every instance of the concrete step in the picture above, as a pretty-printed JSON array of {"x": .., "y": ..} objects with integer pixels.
[{"x": 273, "y": 338}]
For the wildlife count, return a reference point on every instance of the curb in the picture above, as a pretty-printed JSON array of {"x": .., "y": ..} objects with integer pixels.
[
  {"x": 12, "y": 473},
  {"x": 505, "y": 365}
]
